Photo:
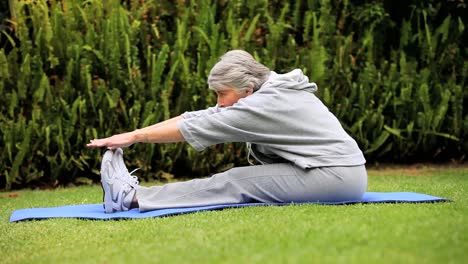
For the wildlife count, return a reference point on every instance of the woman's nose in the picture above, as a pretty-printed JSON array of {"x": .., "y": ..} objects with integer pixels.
[{"x": 220, "y": 102}]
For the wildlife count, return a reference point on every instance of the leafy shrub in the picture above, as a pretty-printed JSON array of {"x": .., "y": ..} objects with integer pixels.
[{"x": 75, "y": 70}]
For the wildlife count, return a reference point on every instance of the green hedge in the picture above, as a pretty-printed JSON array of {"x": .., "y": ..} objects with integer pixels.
[{"x": 74, "y": 70}]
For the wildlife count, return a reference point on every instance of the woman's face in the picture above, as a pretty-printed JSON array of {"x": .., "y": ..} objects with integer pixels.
[{"x": 229, "y": 96}]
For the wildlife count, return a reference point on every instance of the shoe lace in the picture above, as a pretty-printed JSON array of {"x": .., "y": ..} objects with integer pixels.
[{"x": 130, "y": 179}]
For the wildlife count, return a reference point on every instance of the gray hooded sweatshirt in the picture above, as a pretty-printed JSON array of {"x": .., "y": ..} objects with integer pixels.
[{"x": 283, "y": 121}]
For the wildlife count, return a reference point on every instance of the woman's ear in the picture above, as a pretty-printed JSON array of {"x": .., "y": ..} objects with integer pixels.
[{"x": 249, "y": 91}]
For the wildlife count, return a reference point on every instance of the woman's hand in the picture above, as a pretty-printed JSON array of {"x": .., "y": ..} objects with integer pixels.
[{"x": 113, "y": 142}]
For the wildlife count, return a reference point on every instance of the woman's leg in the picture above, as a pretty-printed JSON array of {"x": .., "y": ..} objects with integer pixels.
[{"x": 280, "y": 182}]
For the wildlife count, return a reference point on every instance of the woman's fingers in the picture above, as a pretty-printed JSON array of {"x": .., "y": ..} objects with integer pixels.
[
  {"x": 96, "y": 143},
  {"x": 116, "y": 141}
]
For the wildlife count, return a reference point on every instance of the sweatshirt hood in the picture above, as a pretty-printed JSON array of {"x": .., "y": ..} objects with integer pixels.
[{"x": 295, "y": 80}]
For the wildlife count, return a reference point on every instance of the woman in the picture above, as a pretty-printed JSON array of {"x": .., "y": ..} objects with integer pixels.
[{"x": 304, "y": 152}]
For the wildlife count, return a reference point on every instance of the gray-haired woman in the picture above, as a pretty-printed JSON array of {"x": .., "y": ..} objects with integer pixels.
[{"x": 304, "y": 152}]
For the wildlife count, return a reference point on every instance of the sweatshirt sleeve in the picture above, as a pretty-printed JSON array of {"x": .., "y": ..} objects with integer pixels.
[
  {"x": 208, "y": 111},
  {"x": 237, "y": 123}
]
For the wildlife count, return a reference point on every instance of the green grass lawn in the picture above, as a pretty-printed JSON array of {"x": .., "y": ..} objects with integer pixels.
[{"x": 360, "y": 233}]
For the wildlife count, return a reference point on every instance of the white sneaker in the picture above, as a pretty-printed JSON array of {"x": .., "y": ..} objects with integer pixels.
[
  {"x": 118, "y": 194},
  {"x": 119, "y": 164}
]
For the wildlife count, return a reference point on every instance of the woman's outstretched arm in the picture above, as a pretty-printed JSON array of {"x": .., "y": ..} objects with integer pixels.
[{"x": 163, "y": 132}]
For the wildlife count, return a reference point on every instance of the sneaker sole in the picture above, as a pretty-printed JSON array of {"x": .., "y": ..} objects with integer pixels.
[
  {"x": 107, "y": 199},
  {"x": 107, "y": 196}
]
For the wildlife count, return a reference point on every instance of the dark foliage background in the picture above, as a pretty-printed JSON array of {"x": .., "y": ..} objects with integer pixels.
[{"x": 394, "y": 73}]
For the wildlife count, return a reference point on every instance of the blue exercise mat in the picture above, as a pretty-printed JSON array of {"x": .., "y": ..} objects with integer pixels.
[{"x": 96, "y": 211}]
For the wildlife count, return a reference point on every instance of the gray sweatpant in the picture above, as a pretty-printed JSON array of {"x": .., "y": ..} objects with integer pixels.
[{"x": 281, "y": 182}]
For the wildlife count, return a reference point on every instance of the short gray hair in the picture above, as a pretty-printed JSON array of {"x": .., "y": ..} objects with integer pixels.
[{"x": 239, "y": 70}]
